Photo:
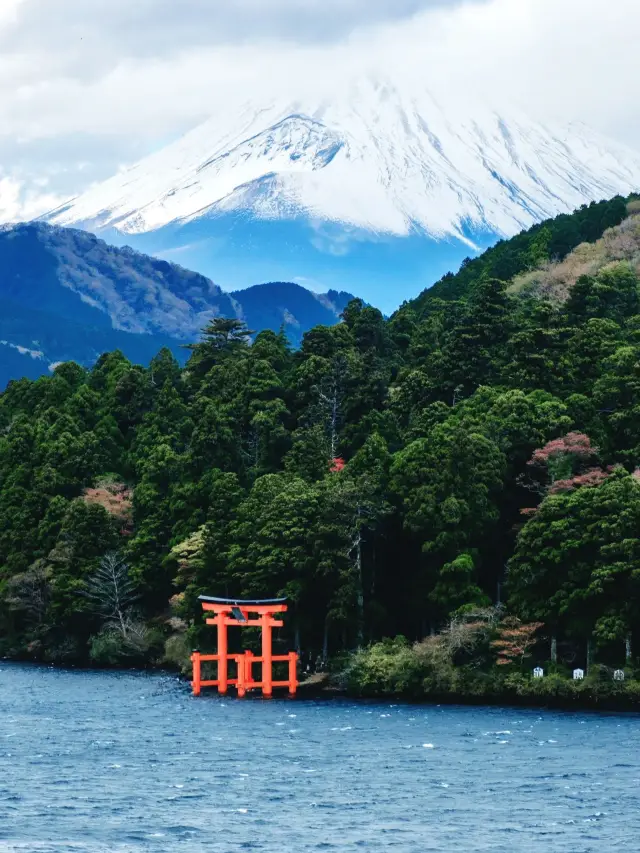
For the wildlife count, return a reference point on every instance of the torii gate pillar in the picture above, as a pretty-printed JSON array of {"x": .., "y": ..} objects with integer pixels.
[{"x": 239, "y": 612}]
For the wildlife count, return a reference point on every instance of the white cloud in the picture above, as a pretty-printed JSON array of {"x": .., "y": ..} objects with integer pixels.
[
  {"x": 105, "y": 82},
  {"x": 34, "y": 353},
  {"x": 121, "y": 28},
  {"x": 9, "y": 12},
  {"x": 21, "y": 201}
]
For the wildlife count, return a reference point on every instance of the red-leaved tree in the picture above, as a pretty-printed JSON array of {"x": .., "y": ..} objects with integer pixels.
[
  {"x": 561, "y": 466},
  {"x": 591, "y": 477},
  {"x": 564, "y": 456},
  {"x": 514, "y": 640},
  {"x": 117, "y": 499}
]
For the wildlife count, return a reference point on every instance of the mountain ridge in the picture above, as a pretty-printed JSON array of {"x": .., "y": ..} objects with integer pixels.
[
  {"x": 548, "y": 241},
  {"x": 68, "y": 295}
]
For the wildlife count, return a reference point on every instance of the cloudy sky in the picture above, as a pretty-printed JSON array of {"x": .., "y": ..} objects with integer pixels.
[{"x": 87, "y": 86}]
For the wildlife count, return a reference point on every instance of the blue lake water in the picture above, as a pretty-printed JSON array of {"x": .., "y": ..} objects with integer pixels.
[{"x": 93, "y": 762}]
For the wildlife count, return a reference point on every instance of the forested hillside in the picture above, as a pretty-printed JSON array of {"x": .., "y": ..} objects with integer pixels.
[
  {"x": 549, "y": 240},
  {"x": 390, "y": 477}
]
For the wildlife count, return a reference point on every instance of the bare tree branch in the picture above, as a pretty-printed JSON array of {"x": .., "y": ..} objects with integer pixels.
[{"x": 111, "y": 592}]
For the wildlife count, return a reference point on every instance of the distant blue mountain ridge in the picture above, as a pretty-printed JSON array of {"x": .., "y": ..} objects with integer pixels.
[
  {"x": 67, "y": 295},
  {"x": 237, "y": 249}
]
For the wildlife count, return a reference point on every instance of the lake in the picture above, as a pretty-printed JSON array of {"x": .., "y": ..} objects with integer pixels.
[{"x": 101, "y": 761}]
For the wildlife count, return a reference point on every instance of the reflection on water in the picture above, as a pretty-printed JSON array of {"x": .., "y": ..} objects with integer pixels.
[{"x": 93, "y": 762}]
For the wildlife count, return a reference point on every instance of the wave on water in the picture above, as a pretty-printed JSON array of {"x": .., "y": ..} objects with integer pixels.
[{"x": 194, "y": 779}]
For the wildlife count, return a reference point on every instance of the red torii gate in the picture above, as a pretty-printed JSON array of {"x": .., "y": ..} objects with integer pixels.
[{"x": 237, "y": 612}]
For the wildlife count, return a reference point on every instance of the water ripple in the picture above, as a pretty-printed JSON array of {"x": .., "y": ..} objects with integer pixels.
[{"x": 131, "y": 763}]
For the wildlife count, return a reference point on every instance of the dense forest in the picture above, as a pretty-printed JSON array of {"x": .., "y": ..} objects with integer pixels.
[{"x": 462, "y": 475}]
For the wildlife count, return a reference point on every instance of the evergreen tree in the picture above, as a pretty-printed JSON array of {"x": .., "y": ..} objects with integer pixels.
[{"x": 381, "y": 476}]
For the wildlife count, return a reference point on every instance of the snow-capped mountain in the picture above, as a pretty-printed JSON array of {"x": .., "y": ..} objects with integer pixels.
[{"x": 376, "y": 186}]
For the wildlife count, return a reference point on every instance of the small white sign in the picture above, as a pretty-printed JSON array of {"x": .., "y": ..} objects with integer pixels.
[
  {"x": 618, "y": 675},
  {"x": 538, "y": 672},
  {"x": 578, "y": 674}
]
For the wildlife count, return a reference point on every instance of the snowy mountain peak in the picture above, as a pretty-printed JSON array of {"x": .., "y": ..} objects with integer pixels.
[
  {"x": 374, "y": 163},
  {"x": 373, "y": 158}
]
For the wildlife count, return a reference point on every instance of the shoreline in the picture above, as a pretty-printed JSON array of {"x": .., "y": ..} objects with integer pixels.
[
  {"x": 620, "y": 705},
  {"x": 622, "y": 701}
]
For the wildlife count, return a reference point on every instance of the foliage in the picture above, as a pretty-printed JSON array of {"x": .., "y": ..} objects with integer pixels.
[
  {"x": 111, "y": 647},
  {"x": 560, "y": 455},
  {"x": 575, "y": 561},
  {"x": 177, "y": 653},
  {"x": 116, "y": 498},
  {"x": 381, "y": 477},
  {"x": 548, "y": 240},
  {"x": 514, "y": 640}
]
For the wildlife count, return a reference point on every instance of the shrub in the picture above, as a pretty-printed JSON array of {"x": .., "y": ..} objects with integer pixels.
[
  {"x": 514, "y": 640},
  {"x": 65, "y": 652},
  {"x": 177, "y": 653},
  {"x": 112, "y": 647},
  {"x": 388, "y": 667}
]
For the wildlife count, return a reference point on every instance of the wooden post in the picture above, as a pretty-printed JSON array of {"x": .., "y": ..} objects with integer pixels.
[
  {"x": 195, "y": 684},
  {"x": 293, "y": 674},
  {"x": 241, "y": 676},
  {"x": 267, "y": 663},
  {"x": 223, "y": 674},
  {"x": 248, "y": 668}
]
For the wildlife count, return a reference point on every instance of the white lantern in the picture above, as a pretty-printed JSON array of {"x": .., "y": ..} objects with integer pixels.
[
  {"x": 578, "y": 674},
  {"x": 538, "y": 672},
  {"x": 618, "y": 675}
]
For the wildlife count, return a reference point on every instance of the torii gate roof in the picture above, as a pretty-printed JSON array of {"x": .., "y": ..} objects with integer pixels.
[{"x": 241, "y": 602}]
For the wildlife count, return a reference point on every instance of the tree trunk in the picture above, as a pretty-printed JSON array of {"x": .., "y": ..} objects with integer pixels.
[
  {"x": 372, "y": 588},
  {"x": 123, "y": 624},
  {"x": 296, "y": 637},
  {"x": 359, "y": 591},
  {"x": 554, "y": 649},
  {"x": 334, "y": 426},
  {"x": 589, "y": 654},
  {"x": 325, "y": 641},
  {"x": 627, "y": 650}
]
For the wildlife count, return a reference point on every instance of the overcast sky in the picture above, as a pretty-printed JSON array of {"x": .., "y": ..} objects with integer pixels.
[{"x": 87, "y": 86}]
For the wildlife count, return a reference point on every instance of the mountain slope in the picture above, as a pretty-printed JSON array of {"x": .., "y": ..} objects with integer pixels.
[
  {"x": 500, "y": 419},
  {"x": 377, "y": 158},
  {"x": 283, "y": 303},
  {"x": 84, "y": 279},
  {"x": 33, "y": 342},
  {"x": 551, "y": 240},
  {"x": 378, "y": 170},
  {"x": 66, "y": 295}
]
